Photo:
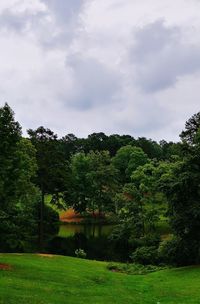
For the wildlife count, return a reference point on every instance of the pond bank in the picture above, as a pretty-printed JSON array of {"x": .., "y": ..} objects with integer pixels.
[{"x": 71, "y": 217}]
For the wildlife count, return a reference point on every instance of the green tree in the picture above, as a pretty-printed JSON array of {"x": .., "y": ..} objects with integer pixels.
[
  {"x": 77, "y": 193},
  {"x": 181, "y": 185},
  {"x": 103, "y": 181},
  {"x": 52, "y": 173},
  {"x": 18, "y": 195},
  {"x": 192, "y": 126},
  {"x": 150, "y": 147},
  {"x": 69, "y": 145},
  {"x": 95, "y": 142},
  {"x": 130, "y": 214},
  {"x": 170, "y": 149},
  {"x": 127, "y": 160},
  {"x": 146, "y": 179},
  {"x": 10, "y": 135},
  {"x": 93, "y": 180}
]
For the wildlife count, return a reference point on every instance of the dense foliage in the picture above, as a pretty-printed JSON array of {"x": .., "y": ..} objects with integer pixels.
[
  {"x": 19, "y": 196},
  {"x": 139, "y": 183}
]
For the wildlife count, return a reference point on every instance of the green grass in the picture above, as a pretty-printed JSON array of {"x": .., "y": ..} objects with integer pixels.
[{"x": 62, "y": 280}]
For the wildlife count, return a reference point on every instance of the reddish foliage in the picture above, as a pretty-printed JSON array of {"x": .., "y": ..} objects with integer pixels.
[
  {"x": 70, "y": 216},
  {"x": 128, "y": 196},
  {"x": 5, "y": 267}
]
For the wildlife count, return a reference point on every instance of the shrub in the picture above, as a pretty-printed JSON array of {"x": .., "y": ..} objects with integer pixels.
[
  {"x": 80, "y": 253},
  {"x": 151, "y": 240},
  {"x": 133, "y": 268},
  {"x": 148, "y": 240},
  {"x": 167, "y": 251},
  {"x": 145, "y": 255},
  {"x": 179, "y": 252}
]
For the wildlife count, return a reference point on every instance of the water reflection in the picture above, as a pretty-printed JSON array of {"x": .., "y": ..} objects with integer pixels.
[
  {"x": 93, "y": 239},
  {"x": 92, "y": 230}
]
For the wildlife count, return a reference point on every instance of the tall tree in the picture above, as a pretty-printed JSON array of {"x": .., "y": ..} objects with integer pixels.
[
  {"x": 70, "y": 145},
  {"x": 103, "y": 181},
  {"x": 181, "y": 185},
  {"x": 95, "y": 142},
  {"x": 10, "y": 135},
  {"x": 192, "y": 126},
  {"x": 130, "y": 214},
  {"x": 77, "y": 193},
  {"x": 93, "y": 180},
  {"x": 150, "y": 147},
  {"x": 52, "y": 168},
  {"x": 18, "y": 195}
]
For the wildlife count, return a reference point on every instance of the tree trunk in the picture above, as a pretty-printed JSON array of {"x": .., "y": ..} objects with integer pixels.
[{"x": 41, "y": 222}]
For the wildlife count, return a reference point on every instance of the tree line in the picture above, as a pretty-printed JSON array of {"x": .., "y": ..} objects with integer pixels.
[{"x": 138, "y": 181}]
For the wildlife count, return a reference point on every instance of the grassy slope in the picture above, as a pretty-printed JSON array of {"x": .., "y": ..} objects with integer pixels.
[{"x": 61, "y": 280}]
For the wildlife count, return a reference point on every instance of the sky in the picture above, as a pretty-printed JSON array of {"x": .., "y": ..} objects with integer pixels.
[{"x": 112, "y": 66}]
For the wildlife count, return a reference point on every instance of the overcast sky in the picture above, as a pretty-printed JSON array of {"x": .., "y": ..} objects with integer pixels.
[{"x": 116, "y": 66}]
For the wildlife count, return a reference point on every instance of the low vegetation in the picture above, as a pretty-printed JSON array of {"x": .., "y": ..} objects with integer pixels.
[
  {"x": 134, "y": 268},
  {"x": 43, "y": 279}
]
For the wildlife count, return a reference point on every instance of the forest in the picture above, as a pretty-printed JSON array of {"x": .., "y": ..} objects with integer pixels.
[{"x": 138, "y": 185}]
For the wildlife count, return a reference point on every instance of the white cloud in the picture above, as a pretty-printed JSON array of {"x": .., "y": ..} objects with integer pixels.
[
  {"x": 160, "y": 58},
  {"x": 112, "y": 65},
  {"x": 94, "y": 84}
]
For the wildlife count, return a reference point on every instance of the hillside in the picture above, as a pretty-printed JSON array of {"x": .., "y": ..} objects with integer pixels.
[{"x": 36, "y": 279}]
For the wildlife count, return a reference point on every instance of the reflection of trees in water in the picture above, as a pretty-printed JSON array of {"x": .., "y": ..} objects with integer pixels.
[
  {"x": 92, "y": 238},
  {"x": 94, "y": 230},
  {"x": 99, "y": 247}
]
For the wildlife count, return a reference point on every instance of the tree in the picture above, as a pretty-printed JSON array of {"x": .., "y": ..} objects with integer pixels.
[
  {"x": 52, "y": 169},
  {"x": 10, "y": 135},
  {"x": 76, "y": 195},
  {"x": 102, "y": 180},
  {"x": 93, "y": 180},
  {"x": 170, "y": 149},
  {"x": 150, "y": 147},
  {"x": 146, "y": 179},
  {"x": 192, "y": 126},
  {"x": 95, "y": 142},
  {"x": 18, "y": 195},
  {"x": 70, "y": 145},
  {"x": 181, "y": 185},
  {"x": 127, "y": 160},
  {"x": 139, "y": 204},
  {"x": 130, "y": 214},
  {"x": 115, "y": 142}
]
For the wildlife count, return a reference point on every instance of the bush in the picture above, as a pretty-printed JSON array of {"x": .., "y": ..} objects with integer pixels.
[
  {"x": 80, "y": 253},
  {"x": 145, "y": 255},
  {"x": 132, "y": 268},
  {"x": 145, "y": 241},
  {"x": 179, "y": 252},
  {"x": 168, "y": 250},
  {"x": 151, "y": 240}
]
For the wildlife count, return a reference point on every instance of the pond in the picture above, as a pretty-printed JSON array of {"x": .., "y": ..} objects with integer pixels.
[
  {"x": 94, "y": 239},
  {"x": 89, "y": 230}
]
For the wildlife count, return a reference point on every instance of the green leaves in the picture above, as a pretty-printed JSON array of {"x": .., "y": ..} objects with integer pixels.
[
  {"x": 127, "y": 160},
  {"x": 17, "y": 191},
  {"x": 93, "y": 182}
]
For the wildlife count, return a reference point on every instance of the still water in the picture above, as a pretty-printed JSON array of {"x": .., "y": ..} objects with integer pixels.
[
  {"x": 94, "y": 239},
  {"x": 89, "y": 230}
]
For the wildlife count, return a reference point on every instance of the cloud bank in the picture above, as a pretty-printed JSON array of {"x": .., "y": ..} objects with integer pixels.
[{"x": 83, "y": 66}]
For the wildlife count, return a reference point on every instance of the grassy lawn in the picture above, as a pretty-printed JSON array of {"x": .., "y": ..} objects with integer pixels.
[{"x": 60, "y": 280}]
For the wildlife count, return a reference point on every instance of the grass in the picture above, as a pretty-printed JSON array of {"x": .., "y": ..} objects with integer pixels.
[{"x": 60, "y": 280}]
